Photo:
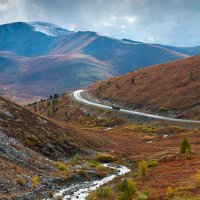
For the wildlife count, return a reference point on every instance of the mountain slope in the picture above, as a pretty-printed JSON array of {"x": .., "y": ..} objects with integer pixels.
[
  {"x": 123, "y": 56},
  {"x": 126, "y": 56},
  {"x": 184, "y": 50},
  {"x": 20, "y": 38},
  {"x": 37, "y": 59},
  {"x": 167, "y": 88},
  {"x": 37, "y": 155},
  {"x": 38, "y": 133},
  {"x": 29, "y": 39},
  {"x": 49, "y": 29},
  {"x": 41, "y": 76}
]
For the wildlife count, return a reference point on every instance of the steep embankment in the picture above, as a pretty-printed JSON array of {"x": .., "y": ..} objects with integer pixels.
[
  {"x": 167, "y": 88},
  {"x": 54, "y": 140},
  {"x": 31, "y": 146}
]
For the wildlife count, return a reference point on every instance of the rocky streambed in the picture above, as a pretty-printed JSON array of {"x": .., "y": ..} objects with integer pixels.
[{"x": 81, "y": 191}]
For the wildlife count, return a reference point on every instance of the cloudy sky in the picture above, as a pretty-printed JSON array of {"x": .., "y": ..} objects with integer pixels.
[{"x": 172, "y": 22}]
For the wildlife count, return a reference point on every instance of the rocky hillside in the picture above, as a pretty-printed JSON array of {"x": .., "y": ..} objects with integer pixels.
[
  {"x": 38, "y": 133},
  {"x": 37, "y": 59},
  {"x": 171, "y": 88},
  {"x": 38, "y": 155}
]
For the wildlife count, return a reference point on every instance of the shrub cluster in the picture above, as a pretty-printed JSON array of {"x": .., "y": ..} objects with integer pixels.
[
  {"x": 61, "y": 166},
  {"x": 143, "y": 168},
  {"x": 127, "y": 189},
  {"x": 105, "y": 158}
]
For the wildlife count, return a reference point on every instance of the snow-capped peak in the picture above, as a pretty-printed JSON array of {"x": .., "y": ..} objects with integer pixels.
[{"x": 49, "y": 29}]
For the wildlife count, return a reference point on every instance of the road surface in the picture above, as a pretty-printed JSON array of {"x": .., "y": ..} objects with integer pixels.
[{"x": 78, "y": 97}]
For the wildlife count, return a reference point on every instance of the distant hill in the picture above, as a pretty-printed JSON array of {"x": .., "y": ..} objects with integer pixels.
[
  {"x": 40, "y": 58},
  {"x": 25, "y": 78},
  {"x": 184, "y": 50},
  {"x": 172, "y": 88}
]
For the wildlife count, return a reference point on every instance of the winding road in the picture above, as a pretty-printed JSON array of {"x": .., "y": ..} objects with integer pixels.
[{"x": 77, "y": 95}]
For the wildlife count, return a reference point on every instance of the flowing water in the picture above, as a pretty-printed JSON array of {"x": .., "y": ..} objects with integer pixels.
[{"x": 82, "y": 190}]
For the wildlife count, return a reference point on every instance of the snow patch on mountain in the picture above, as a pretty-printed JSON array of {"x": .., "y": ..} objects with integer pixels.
[{"x": 49, "y": 29}]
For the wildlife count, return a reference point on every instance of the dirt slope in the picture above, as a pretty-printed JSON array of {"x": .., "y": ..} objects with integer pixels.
[
  {"x": 36, "y": 132},
  {"x": 167, "y": 88},
  {"x": 33, "y": 147}
]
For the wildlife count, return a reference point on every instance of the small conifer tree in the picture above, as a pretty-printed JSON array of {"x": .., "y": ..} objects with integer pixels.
[
  {"x": 127, "y": 189},
  {"x": 185, "y": 146},
  {"x": 143, "y": 168},
  {"x": 191, "y": 77},
  {"x": 35, "y": 107}
]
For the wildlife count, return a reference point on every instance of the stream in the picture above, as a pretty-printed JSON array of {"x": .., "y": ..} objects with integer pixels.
[{"x": 81, "y": 191}]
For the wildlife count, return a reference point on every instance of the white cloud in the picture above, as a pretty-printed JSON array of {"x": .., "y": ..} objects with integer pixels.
[
  {"x": 113, "y": 18},
  {"x": 143, "y": 20},
  {"x": 106, "y": 24},
  {"x": 110, "y": 21},
  {"x": 72, "y": 27},
  {"x": 148, "y": 39},
  {"x": 100, "y": 2},
  {"x": 3, "y": 7},
  {"x": 129, "y": 19}
]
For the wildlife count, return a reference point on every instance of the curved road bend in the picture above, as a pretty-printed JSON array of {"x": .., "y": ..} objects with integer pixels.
[{"x": 78, "y": 97}]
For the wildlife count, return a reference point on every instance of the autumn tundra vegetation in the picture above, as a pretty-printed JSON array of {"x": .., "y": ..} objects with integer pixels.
[
  {"x": 156, "y": 152},
  {"x": 58, "y": 141}
]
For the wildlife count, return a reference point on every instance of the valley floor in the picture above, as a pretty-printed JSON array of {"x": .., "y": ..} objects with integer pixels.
[
  {"x": 54, "y": 145},
  {"x": 173, "y": 174}
]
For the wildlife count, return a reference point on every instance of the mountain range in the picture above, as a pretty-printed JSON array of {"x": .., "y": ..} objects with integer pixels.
[{"x": 38, "y": 59}]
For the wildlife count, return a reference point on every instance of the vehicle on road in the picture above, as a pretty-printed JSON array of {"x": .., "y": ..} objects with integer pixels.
[
  {"x": 115, "y": 107},
  {"x": 77, "y": 95}
]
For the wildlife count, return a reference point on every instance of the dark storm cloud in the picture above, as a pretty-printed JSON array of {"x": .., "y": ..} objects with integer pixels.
[{"x": 173, "y": 22}]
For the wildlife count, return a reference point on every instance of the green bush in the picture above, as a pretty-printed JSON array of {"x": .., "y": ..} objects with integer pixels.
[
  {"x": 170, "y": 193},
  {"x": 34, "y": 181},
  {"x": 191, "y": 76},
  {"x": 82, "y": 172},
  {"x": 197, "y": 178},
  {"x": 175, "y": 127},
  {"x": 127, "y": 189},
  {"x": 93, "y": 163},
  {"x": 143, "y": 168},
  {"x": 105, "y": 158},
  {"x": 142, "y": 128},
  {"x": 49, "y": 112},
  {"x": 77, "y": 159},
  {"x": 61, "y": 166},
  {"x": 152, "y": 164},
  {"x": 122, "y": 196},
  {"x": 185, "y": 146},
  {"x": 103, "y": 193},
  {"x": 51, "y": 193},
  {"x": 142, "y": 196}
]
